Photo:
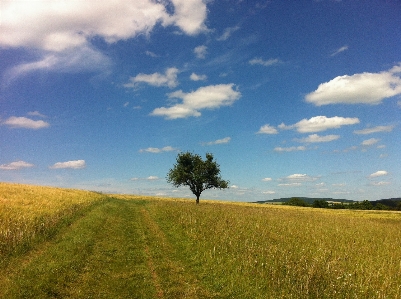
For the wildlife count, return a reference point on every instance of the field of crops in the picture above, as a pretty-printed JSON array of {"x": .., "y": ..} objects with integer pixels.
[{"x": 143, "y": 247}]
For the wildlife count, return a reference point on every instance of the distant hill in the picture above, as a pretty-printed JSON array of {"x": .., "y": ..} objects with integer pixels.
[
  {"x": 308, "y": 200},
  {"x": 390, "y": 202}
]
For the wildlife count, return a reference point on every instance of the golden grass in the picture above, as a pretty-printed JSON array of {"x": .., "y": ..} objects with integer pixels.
[{"x": 28, "y": 212}]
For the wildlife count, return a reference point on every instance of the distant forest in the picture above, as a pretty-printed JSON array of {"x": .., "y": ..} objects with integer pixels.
[{"x": 391, "y": 204}]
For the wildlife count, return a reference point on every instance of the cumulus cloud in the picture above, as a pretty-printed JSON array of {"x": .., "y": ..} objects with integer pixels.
[
  {"x": 155, "y": 150},
  {"x": 16, "y": 165},
  {"x": 25, "y": 123},
  {"x": 377, "y": 129},
  {"x": 315, "y": 138},
  {"x": 76, "y": 164},
  {"x": 267, "y": 129},
  {"x": 169, "y": 79},
  {"x": 378, "y": 174},
  {"x": 200, "y": 52},
  {"x": 266, "y": 179},
  {"x": 227, "y": 33},
  {"x": 364, "y": 88},
  {"x": 338, "y": 51},
  {"x": 218, "y": 141},
  {"x": 290, "y": 149},
  {"x": 63, "y": 31},
  {"x": 260, "y": 61},
  {"x": 207, "y": 97},
  {"x": 370, "y": 141},
  {"x": 320, "y": 123},
  {"x": 59, "y": 25},
  {"x": 195, "y": 77}
]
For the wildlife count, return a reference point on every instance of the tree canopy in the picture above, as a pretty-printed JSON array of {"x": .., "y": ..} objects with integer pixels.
[{"x": 199, "y": 175}]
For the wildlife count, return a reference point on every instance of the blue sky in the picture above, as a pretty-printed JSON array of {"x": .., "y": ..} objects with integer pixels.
[{"x": 293, "y": 98}]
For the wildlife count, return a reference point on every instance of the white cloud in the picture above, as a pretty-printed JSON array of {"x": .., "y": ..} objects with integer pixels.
[
  {"x": 268, "y": 62},
  {"x": 378, "y": 174},
  {"x": 155, "y": 150},
  {"x": 290, "y": 149},
  {"x": 342, "y": 49},
  {"x": 370, "y": 141},
  {"x": 68, "y": 61},
  {"x": 377, "y": 129},
  {"x": 195, "y": 77},
  {"x": 16, "y": 165},
  {"x": 227, "y": 33},
  {"x": 169, "y": 78},
  {"x": 62, "y": 31},
  {"x": 218, "y": 141},
  {"x": 381, "y": 183},
  {"x": 36, "y": 113},
  {"x": 207, "y": 97},
  {"x": 76, "y": 164},
  {"x": 298, "y": 176},
  {"x": 320, "y": 123},
  {"x": 316, "y": 138},
  {"x": 60, "y": 25},
  {"x": 200, "y": 52},
  {"x": 234, "y": 187},
  {"x": 290, "y": 184},
  {"x": 269, "y": 192},
  {"x": 152, "y": 178},
  {"x": 364, "y": 88},
  {"x": 266, "y": 179},
  {"x": 26, "y": 123},
  {"x": 267, "y": 129}
]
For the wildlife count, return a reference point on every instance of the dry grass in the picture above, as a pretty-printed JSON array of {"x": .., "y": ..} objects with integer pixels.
[{"x": 28, "y": 213}]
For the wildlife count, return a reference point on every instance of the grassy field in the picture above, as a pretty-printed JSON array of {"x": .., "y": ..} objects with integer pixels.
[{"x": 59, "y": 243}]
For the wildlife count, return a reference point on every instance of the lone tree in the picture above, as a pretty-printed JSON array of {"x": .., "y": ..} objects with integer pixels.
[{"x": 190, "y": 170}]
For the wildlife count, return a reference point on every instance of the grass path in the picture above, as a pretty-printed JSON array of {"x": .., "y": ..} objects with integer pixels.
[{"x": 116, "y": 250}]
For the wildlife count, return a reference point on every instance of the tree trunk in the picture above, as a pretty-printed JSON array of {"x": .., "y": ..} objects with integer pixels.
[{"x": 197, "y": 199}]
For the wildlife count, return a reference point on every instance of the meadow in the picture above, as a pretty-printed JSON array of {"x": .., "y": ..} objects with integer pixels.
[{"x": 61, "y": 243}]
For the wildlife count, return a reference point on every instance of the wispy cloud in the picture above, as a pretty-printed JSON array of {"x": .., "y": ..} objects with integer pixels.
[
  {"x": 218, "y": 141},
  {"x": 75, "y": 164},
  {"x": 227, "y": 33},
  {"x": 155, "y": 150},
  {"x": 16, "y": 165},
  {"x": 315, "y": 138},
  {"x": 338, "y": 51},
  {"x": 200, "y": 52},
  {"x": 290, "y": 149},
  {"x": 169, "y": 79},
  {"x": 269, "y": 62},
  {"x": 370, "y": 141},
  {"x": 377, "y": 129}
]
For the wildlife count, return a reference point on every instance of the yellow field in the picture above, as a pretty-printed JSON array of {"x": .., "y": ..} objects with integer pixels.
[
  {"x": 221, "y": 249},
  {"x": 27, "y": 212}
]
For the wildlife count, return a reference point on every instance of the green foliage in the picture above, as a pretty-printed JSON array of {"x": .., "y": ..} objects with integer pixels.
[
  {"x": 199, "y": 175},
  {"x": 320, "y": 203},
  {"x": 362, "y": 205},
  {"x": 295, "y": 201}
]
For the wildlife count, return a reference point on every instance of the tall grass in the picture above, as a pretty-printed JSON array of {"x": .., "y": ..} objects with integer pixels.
[
  {"x": 281, "y": 252},
  {"x": 29, "y": 213}
]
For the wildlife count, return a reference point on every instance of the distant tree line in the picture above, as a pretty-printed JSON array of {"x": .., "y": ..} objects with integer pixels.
[{"x": 386, "y": 204}]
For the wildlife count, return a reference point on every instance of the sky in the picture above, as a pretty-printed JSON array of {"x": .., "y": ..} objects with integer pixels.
[{"x": 293, "y": 98}]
